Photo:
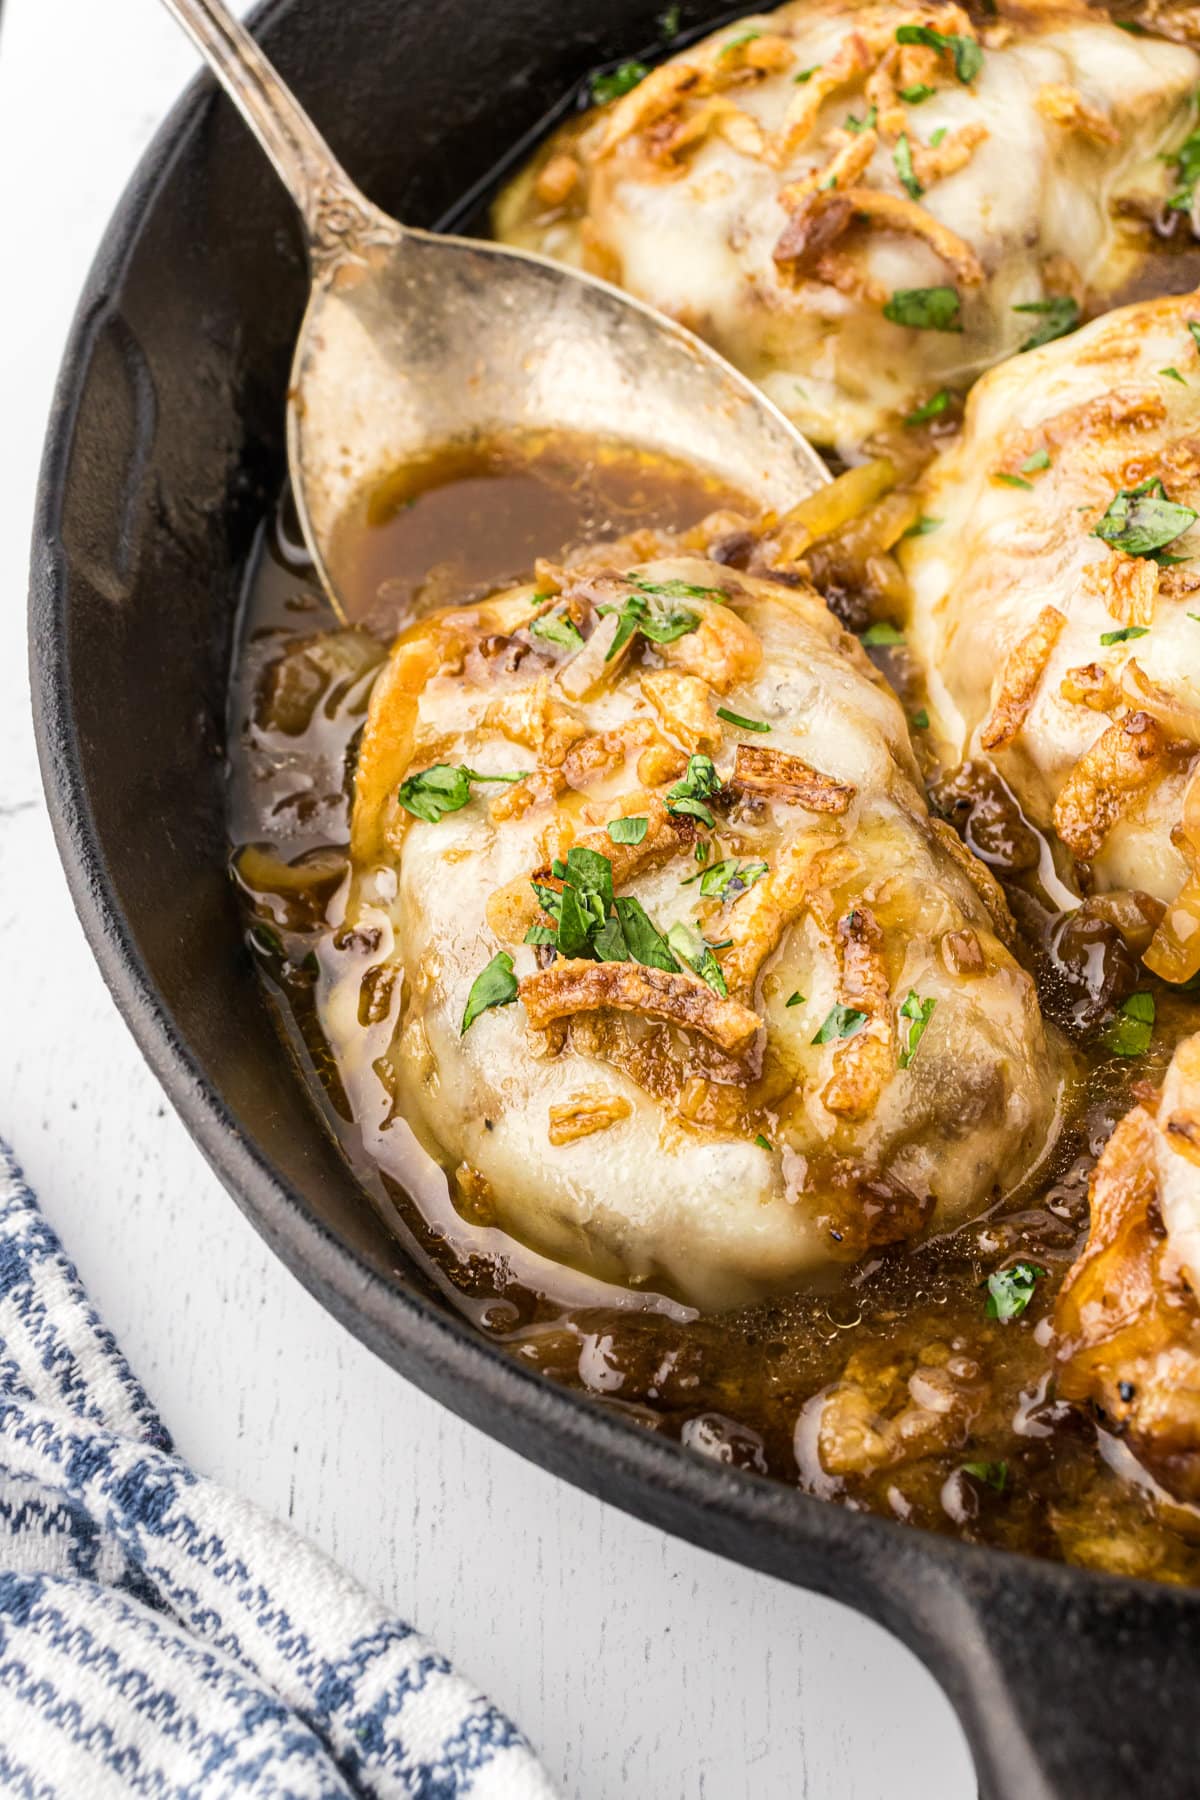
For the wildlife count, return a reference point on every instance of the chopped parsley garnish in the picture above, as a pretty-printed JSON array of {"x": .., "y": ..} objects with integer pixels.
[
  {"x": 920, "y": 720},
  {"x": 968, "y": 57},
  {"x": 902, "y": 157},
  {"x": 618, "y": 81},
  {"x": 691, "y": 949},
  {"x": 558, "y": 628},
  {"x": 921, "y": 527},
  {"x": 1124, "y": 635},
  {"x": 763, "y": 1143},
  {"x": 925, "y": 309},
  {"x": 1187, "y": 172},
  {"x": 747, "y": 37},
  {"x": 807, "y": 74},
  {"x": 676, "y": 590},
  {"x": 1132, "y": 27},
  {"x": 688, "y": 796},
  {"x": 647, "y": 945},
  {"x": 726, "y": 880},
  {"x": 494, "y": 986},
  {"x": 880, "y": 634},
  {"x": 1058, "y": 316},
  {"x": 860, "y": 125},
  {"x": 992, "y": 1474},
  {"x": 732, "y": 718},
  {"x": 703, "y": 850},
  {"x": 668, "y": 22},
  {"x": 935, "y": 137},
  {"x": 1173, "y": 374},
  {"x": 933, "y": 408},
  {"x": 913, "y": 96},
  {"x": 840, "y": 1022},
  {"x": 1039, "y": 460},
  {"x": 916, "y": 1014},
  {"x": 1194, "y": 328},
  {"x": 1142, "y": 521},
  {"x": 443, "y": 789},
  {"x": 627, "y": 831},
  {"x": 1017, "y": 481},
  {"x": 661, "y": 624},
  {"x": 796, "y": 999},
  {"x": 1010, "y": 1290},
  {"x": 1132, "y": 1029}
]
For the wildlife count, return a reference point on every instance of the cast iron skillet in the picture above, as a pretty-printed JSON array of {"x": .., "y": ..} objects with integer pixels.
[{"x": 165, "y": 445}]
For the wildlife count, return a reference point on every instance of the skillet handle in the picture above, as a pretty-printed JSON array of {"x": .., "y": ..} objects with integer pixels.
[{"x": 1070, "y": 1686}]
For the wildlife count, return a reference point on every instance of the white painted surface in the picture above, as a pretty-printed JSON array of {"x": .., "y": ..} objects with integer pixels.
[{"x": 640, "y": 1667}]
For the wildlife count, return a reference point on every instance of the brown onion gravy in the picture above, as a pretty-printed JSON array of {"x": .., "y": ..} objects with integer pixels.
[{"x": 1009, "y": 1464}]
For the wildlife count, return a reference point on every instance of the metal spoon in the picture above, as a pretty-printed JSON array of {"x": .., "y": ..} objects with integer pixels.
[{"x": 411, "y": 340}]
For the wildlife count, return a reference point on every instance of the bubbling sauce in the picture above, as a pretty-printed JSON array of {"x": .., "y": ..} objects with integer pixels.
[{"x": 944, "y": 1416}]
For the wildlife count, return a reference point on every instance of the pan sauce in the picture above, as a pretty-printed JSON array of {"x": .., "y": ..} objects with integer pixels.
[{"x": 976, "y": 1443}]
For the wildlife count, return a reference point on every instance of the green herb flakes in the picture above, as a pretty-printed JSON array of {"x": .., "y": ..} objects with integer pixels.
[
  {"x": 494, "y": 986},
  {"x": 687, "y": 797},
  {"x": 935, "y": 137},
  {"x": 661, "y": 624},
  {"x": 668, "y": 23},
  {"x": 743, "y": 724},
  {"x": 915, "y": 1015},
  {"x": 1017, "y": 481},
  {"x": 920, "y": 720},
  {"x": 1058, "y": 316},
  {"x": 763, "y": 1143},
  {"x": 991, "y": 1474},
  {"x": 880, "y": 635},
  {"x": 925, "y": 309},
  {"x": 443, "y": 789},
  {"x": 735, "y": 43},
  {"x": 647, "y": 945},
  {"x": 913, "y": 96},
  {"x": 902, "y": 157},
  {"x": 967, "y": 54},
  {"x": 618, "y": 81},
  {"x": 1194, "y": 328},
  {"x": 1039, "y": 460},
  {"x": 921, "y": 527},
  {"x": 932, "y": 408},
  {"x": 1187, "y": 172},
  {"x": 728, "y": 879},
  {"x": 807, "y": 74},
  {"x": 1133, "y": 1028},
  {"x": 1142, "y": 521},
  {"x": 1172, "y": 374},
  {"x": 627, "y": 831},
  {"x": 687, "y": 944},
  {"x": 857, "y": 126},
  {"x": 1010, "y": 1290},
  {"x": 796, "y": 999},
  {"x": 557, "y": 628},
  {"x": 840, "y": 1022},
  {"x": 1124, "y": 635}
]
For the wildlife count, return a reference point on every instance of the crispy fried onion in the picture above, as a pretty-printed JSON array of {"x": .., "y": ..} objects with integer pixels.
[
  {"x": 852, "y": 160},
  {"x": 1126, "y": 759},
  {"x": 570, "y": 987},
  {"x": 862, "y": 1064},
  {"x": 585, "y": 1113},
  {"x": 1091, "y": 685},
  {"x": 658, "y": 94},
  {"x": 534, "y": 717},
  {"x": 1066, "y": 107},
  {"x": 854, "y": 58},
  {"x": 1024, "y": 667},
  {"x": 1174, "y": 951},
  {"x": 717, "y": 116},
  {"x": 824, "y": 216},
  {"x": 1100, "y": 421},
  {"x": 684, "y": 706},
  {"x": 980, "y": 878},
  {"x": 1179, "y": 1113},
  {"x": 784, "y": 777},
  {"x": 954, "y": 152},
  {"x": 512, "y": 909},
  {"x": 1180, "y": 721},
  {"x": 801, "y": 869},
  {"x": 1128, "y": 586}
]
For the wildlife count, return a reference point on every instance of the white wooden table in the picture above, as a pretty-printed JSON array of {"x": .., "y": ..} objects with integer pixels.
[{"x": 640, "y": 1667}]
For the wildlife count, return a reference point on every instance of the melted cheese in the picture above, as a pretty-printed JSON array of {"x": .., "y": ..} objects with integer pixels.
[
  {"x": 668, "y": 1193},
  {"x": 1071, "y": 114},
  {"x": 1102, "y": 407}
]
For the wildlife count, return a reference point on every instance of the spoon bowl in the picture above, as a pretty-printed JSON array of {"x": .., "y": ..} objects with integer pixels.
[{"x": 412, "y": 340}]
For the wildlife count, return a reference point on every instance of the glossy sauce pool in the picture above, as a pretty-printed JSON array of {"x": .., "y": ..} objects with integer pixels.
[{"x": 1014, "y": 1466}]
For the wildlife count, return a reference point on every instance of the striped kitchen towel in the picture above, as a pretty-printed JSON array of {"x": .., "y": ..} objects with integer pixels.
[{"x": 160, "y": 1636}]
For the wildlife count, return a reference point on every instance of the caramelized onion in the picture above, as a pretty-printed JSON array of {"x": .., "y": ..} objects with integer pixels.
[{"x": 1181, "y": 721}]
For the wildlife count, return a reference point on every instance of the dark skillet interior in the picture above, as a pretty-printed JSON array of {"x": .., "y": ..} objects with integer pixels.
[{"x": 165, "y": 448}]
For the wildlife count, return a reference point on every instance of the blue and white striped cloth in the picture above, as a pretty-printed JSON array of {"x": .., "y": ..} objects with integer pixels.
[{"x": 160, "y": 1636}]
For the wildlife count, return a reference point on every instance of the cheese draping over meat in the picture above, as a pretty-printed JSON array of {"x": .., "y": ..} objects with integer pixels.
[
  {"x": 776, "y": 184},
  {"x": 843, "y": 1074},
  {"x": 1074, "y": 662}
]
